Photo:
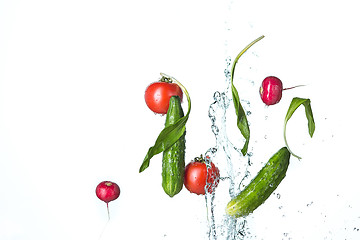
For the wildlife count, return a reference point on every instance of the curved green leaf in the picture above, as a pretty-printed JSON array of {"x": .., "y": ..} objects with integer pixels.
[
  {"x": 169, "y": 135},
  {"x": 295, "y": 103},
  {"x": 242, "y": 121}
]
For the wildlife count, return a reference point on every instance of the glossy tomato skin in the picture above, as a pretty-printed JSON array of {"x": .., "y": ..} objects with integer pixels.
[
  {"x": 195, "y": 177},
  {"x": 107, "y": 191},
  {"x": 271, "y": 90},
  {"x": 158, "y": 94}
]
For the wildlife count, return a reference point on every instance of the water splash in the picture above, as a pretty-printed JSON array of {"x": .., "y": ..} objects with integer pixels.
[{"x": 233, "y": 170}]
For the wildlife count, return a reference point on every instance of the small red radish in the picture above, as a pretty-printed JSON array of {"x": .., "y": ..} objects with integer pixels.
[
  {"x": 107, "y": 191},
  {"x": 271, "y": 90}
]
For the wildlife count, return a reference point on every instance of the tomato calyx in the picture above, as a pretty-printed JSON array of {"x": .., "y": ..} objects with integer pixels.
[
  {"x": 205, "y": 160},
  {"x": 165, "y": 78},
  {"x": 199, "y": 159}
]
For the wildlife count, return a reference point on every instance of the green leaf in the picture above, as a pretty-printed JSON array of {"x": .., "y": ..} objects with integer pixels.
[
  {"x": 170, "y": 134},
  {"x": 295, "y": 103},
  {"x": 242, "y": 121}
]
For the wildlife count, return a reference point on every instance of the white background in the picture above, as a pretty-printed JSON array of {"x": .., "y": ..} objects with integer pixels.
[{"x": 72, "y": 113}]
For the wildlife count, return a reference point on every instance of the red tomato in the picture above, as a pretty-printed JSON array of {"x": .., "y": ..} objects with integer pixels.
[
  {"x": 195, "y": 177},
  {"x": 158, "y": 94}
]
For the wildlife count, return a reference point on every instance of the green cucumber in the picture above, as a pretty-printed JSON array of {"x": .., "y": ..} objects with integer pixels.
[
  {"x": 261, "y": 187},
  {"x": 173, "y": 162}
]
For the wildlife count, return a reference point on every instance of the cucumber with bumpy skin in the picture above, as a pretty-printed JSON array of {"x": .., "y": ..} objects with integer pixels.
[
  {"x": 173, "y": 162},
  {"x": 261, "y": 187}
]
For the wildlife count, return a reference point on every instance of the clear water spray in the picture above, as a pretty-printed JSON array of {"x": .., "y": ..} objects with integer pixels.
[{"x": 233, "y": 169}]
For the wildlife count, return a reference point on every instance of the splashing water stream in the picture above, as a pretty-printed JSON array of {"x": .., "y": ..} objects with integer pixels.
[
  {"x": 233, "y": 169},
  {"x": 235, "y": 173}
]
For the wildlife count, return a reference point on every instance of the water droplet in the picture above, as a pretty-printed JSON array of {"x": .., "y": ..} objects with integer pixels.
[
  {"x": 217, "y": 97},
  {"x": 227, "y": 73},
  {"x": 278, "y": 196},
  {"x": 215, "y": 129},
  {"x": 228, "y": 61},
  {"x": 212, "y": 114}
]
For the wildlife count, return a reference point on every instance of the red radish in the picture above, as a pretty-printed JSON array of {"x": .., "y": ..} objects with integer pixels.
[
  {"x": 271, "y": 90},
  {"x": 107, "y": 191}
]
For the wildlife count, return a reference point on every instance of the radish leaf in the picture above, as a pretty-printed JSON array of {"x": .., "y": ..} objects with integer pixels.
[
  {"x": 242, "y": 121},
  {"x": 295, "y": 103}
]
